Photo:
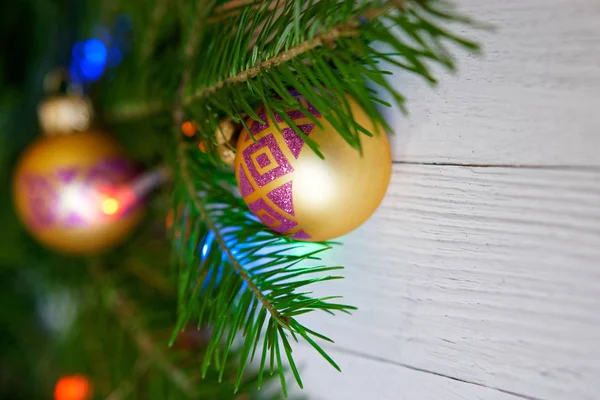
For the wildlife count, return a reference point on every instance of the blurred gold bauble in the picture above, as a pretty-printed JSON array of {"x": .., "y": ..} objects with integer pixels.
[
  {"x": 293, "y": 191},
  {"x": 70, "y": 191}
]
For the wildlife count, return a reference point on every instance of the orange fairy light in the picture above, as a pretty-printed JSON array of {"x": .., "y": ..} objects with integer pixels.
[
  {"x": 75, "y": 387},
  {"x": 169, "y": 220},
  {"x": 188, "y": 128}
]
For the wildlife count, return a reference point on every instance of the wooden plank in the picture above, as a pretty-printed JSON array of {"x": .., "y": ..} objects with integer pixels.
[
  {"x": 367, "y": 379},
  {"x": 531, "y": 100},
  {"x": 489, "y": 275}
]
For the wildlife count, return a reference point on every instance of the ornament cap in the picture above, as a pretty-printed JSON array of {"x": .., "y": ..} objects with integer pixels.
[{"x": 60, "y": 115}]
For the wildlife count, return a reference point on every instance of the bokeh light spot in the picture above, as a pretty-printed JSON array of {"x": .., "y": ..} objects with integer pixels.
[
  {"x": 76, "y": 387},
  {"x": 95, "y": 51},
  {"x": 110, "y": 206},
  {"x": 188, "y": 128}
]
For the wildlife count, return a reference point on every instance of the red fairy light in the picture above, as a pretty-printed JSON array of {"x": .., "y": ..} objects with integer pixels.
[
  {"x": 120, "y": 200},
  {"x": 75, "y": 387},
  {"x": 116, "y": 201}
]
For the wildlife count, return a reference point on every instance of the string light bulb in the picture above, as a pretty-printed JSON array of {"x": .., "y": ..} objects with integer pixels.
[
  {"x": 188, "y": 128},
  {"x": 117, "y": 201},
  {"x": 75, "y": 387},
  {"x": 110, "y": 206}
]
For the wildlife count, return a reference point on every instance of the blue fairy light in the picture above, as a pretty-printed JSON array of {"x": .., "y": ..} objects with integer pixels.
[
  {"x": 95, "y": 52},
  {"x": 217, "y": 271},
  {"x": 115, "y": 56},
  {"x": 207, "y": 243},
  {"x": 91, "y": 58},
  {"x": 210, "y": 238}
]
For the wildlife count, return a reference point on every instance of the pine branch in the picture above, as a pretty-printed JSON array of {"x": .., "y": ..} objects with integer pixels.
[
  {"x": 421, "y": 40},
  {"x": 187, "y": 180},
  {"x": 350, "y": 28},
  {"x": 234, "y": 86},
  {"x": 249, "y": 278},
  {"x": 149, "y": 39},
  {"x": 126, "y": 313},
  {"x": 241, "y": 272},
  {"x": 151, "y": 360},
  {"x": 127, "y": 387}
]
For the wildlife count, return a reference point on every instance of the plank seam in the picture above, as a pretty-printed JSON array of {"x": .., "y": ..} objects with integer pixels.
[
  {"x": 580, "y": 168},
  {"x": 358, "y": 354}
]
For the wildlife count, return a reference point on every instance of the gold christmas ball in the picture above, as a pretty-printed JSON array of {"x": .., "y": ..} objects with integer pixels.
[
  {"x": 71, "y": 192},
  {"x": 293, "y": 191}
]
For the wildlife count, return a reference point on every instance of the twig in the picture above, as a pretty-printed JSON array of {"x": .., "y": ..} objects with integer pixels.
[
  {"x": 150, "y": 277},
  {"x": 158, "y": 13},
  {"x": 129, "y": 112},
  {"x": 127, "y": 387},
  {"x": 233, "y": 7},
  {"x": 126, "y": 313}
]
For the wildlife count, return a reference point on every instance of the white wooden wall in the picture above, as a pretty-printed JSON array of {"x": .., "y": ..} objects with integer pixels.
[{"x": 479, "y": 276}]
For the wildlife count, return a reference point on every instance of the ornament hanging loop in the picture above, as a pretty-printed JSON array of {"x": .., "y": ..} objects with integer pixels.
[{"x": 58, "y": 82}]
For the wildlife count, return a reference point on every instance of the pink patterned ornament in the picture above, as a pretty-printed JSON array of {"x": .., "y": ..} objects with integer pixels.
[
  {"x": 74, "y": 192},
  {"x": 294, "y": 192}
]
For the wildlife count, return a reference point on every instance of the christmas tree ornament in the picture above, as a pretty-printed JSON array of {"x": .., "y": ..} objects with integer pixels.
[
  {"x": 225, "y": 136},
  {"x": 294, "y": 192},
  {"x": 227, "y": 133},
  {"x": 73, "y": 191},
  {"x": 75, "y": 387}
]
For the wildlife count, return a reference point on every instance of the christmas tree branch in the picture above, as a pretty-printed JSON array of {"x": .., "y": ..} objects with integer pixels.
[
  {"x": 126, "y": 313},
  {"x": 188, "y": 183},
  {"x": 199, "y": 207},
  {"x": 344, "y": 45},
  {"x": 149, "y": 40},
  {"x": 127, "y": 387},
  {"x": 350, "y": 28},
  {"x": 244, "y": 279}
]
